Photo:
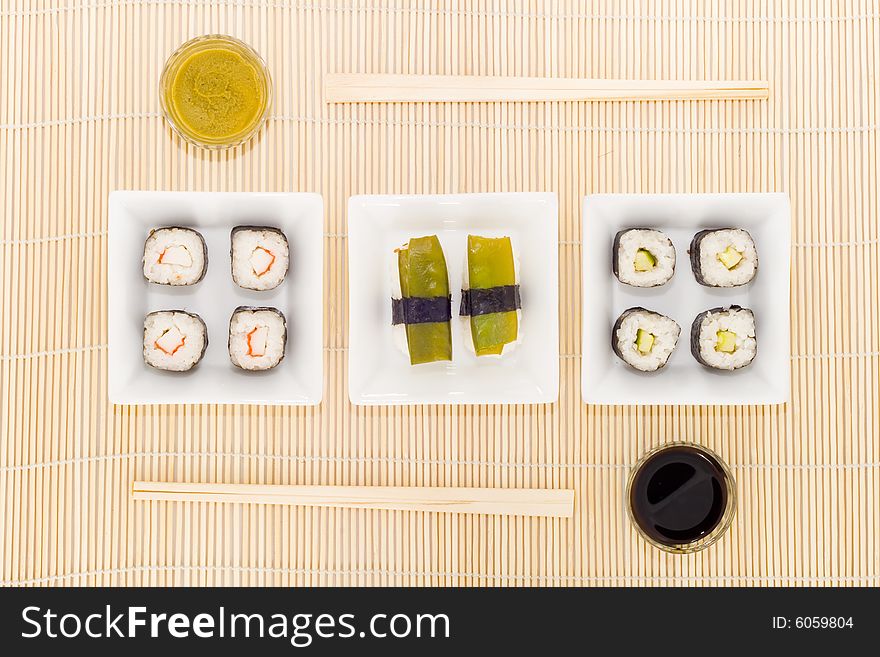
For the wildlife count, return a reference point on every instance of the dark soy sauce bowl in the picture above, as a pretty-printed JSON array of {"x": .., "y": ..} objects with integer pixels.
[{"x": 681, "y": 497}]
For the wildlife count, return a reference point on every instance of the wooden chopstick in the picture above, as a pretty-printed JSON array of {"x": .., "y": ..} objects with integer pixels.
[
  {"x": 501, "y": 501},
  {"x": 384, "y": 87}
]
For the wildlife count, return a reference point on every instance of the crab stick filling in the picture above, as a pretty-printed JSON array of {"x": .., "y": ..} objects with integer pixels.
[
  {"x": 262, "y": 260},
  {"x": 176, "y": 255},
  {"x": 256, "y": 341},
  {"x": 170, "y": 341}
]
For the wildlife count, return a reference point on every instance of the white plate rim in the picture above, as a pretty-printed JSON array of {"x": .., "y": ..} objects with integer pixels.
[
  {"x": 363, "y": 200},
  {"x": 591, "y": 390},
  {"x": 116, "y": 391}
]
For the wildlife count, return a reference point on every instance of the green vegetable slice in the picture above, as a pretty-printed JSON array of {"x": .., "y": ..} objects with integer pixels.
[
  {"x": 490, "y": 264},
  {"x": 644, "y": 341},
  {"x": 421, "y": 267},
  {"x": 726, "y": 341},
  {"x": 644, "y": 260}
]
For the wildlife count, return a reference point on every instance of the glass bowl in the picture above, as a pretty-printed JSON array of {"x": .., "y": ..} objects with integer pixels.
[
  {"x": 173, "y": 67},
  {"x": 717, "y": 531}
]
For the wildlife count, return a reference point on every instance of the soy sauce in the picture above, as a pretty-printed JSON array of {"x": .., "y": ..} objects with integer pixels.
[{"x": 679, "y": 495}]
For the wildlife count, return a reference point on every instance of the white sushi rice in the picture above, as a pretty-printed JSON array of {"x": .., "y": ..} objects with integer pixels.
[
  {"x": 178, "y": 332},
  {"x": 713, "y": 272},
  {"x": 665, "y": 331},
  {"x": 657, "y": 244},
  {"x": 252, "y": 252},
  {"x": 268, "y": 332},
  {"x": 740, "y": 321},
  {"x": 174, "y": 256},
  {"x": 398, "y": 331}
]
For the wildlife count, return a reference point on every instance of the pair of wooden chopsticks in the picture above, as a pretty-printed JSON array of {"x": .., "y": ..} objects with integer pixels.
[
  {"x": 503, "y": 501},
  {"x": 393, "y": 88}
]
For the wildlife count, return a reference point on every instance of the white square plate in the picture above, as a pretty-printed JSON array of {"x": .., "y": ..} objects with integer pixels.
[
  {"x": 379, "y": 371},
  {"x": 608, "y": 380},
  {"x": 297, "y": 380}
]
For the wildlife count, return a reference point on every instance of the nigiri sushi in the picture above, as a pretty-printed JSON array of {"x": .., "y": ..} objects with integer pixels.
[
  {"x": 492, "y": 298},
  {"x": 422, "y": 305}
]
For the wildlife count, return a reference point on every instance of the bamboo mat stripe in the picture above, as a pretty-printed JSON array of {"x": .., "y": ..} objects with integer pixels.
[
  {"x": 435, "y": 10},
  {"x": 79, "y": 117},
  {"x": 794, "y": 130},
  {"x": 192, "y": 575}
]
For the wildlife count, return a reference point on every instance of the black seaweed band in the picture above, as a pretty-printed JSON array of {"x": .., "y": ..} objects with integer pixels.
[
  {"x": 483, "y": 301},
  {"x": 421, "y": 310}
]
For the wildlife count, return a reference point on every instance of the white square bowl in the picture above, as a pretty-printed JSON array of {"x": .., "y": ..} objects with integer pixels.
[
  {"x": 379, "y": 372},
  {"x": 297, "y": 380},
  {"x": 608, "y": 380}
]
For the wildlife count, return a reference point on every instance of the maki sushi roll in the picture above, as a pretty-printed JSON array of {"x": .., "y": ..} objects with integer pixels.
[
  {"x": 723, "y": 258},
  {"x": 724, "y": 338},
  {"x": 260, "y": 257},
  {"x": 422, "y": 305},
  {"x": 175, "y": 256},
  {"x": 257, "y": 338},
  {"x": 174, "y": 340},
  {"x": 644, "y": 339},
  {"x": 643, "y": 257},
  {"x": 492, "y": 298}
]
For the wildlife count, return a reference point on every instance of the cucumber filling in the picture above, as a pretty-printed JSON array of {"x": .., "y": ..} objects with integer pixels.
[
  {"x": 645, "y": 260},
  {"x": 645, "y": 341},
  {"x": 730, "y": 257},
  {"x": 726, "y": 342}
]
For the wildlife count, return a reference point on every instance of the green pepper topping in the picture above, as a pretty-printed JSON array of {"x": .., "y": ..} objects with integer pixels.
[
  {"x": 490, "y": 264},
  {"x": 421, "y": 267}
]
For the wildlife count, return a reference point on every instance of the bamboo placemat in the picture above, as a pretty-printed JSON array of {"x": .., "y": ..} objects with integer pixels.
[{"x": 79, "y": 117}]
